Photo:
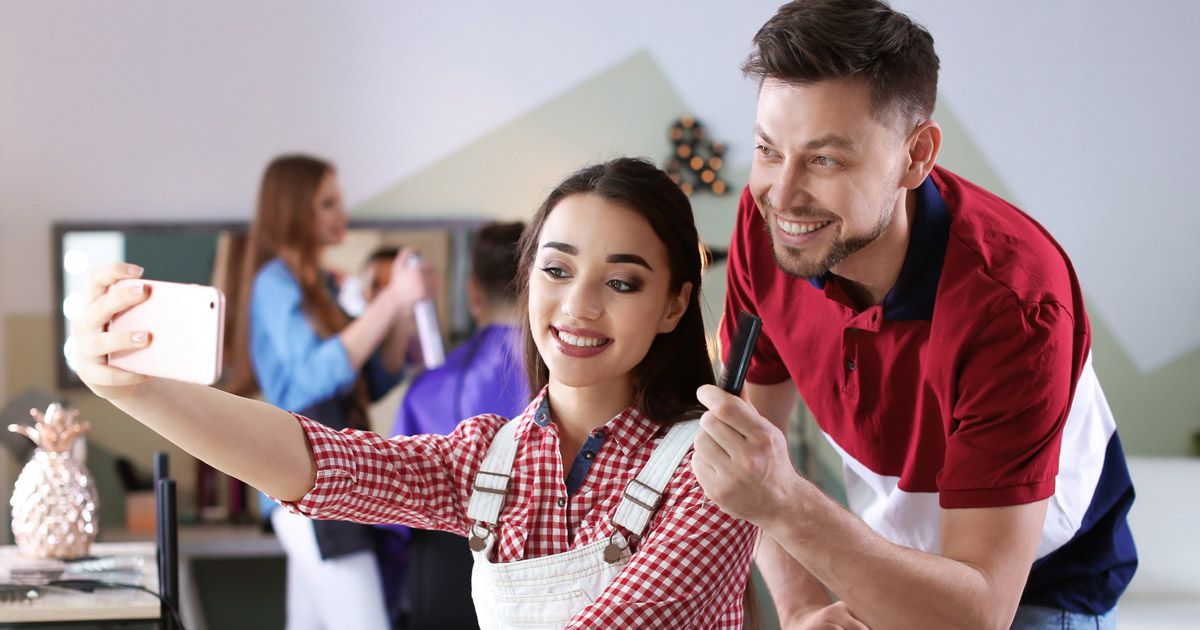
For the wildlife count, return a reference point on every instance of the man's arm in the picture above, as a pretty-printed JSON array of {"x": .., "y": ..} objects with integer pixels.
[
  {"x": 795, "y": 592},
  {"x": 741, "y": 460},
  {"x": 976, "y": 582}
]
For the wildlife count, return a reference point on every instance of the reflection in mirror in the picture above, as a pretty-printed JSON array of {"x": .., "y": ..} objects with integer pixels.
[{"x": 211, "y": 253}]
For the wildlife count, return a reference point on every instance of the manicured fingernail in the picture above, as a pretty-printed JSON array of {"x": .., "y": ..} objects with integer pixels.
[
  {"x": 133, "y": 270},
  {"x": 138, "y": 337},
  {"x": 137, "y": 289}
]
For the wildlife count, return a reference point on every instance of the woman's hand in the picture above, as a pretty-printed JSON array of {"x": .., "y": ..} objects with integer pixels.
[
  {"x": 410, "y": 283},
  {"x": 93, "y": 343}
]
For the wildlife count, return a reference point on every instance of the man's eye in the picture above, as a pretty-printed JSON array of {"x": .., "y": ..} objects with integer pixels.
[
  {"x": 763, "y": 150},
  {"x": 825, "y": 160}
]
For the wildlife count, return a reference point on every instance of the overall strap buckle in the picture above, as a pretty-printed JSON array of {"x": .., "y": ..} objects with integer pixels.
[
  {"x": 658, "y": 497},
  {"x": 503, "y": 489}
]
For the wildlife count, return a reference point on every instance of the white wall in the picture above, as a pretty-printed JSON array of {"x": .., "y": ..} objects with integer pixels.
[{"x": 152, "y": 110}]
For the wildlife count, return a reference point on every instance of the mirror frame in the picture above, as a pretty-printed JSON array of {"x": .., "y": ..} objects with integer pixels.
[{"x": 460, "y": 231}]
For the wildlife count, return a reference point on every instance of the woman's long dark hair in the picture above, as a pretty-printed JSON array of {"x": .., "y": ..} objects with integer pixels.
[{"x": 665, "y": 381}]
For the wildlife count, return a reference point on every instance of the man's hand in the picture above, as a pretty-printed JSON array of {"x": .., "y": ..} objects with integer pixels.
[{"x": 741, "y": 459}]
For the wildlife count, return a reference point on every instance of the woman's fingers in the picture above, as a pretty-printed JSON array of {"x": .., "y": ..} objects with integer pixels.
[
  {"x": 105, "y": 343},
  {"x": 401, "y": 261},
  {"x": 102, "y": 308},
  {"x": 108, "y": 296},
  {"x": 105, "y": 275},
  {"x": 411, "y": 282}
]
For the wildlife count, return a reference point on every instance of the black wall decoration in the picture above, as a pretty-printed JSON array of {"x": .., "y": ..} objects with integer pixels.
[{"x": 695, "y": 162}]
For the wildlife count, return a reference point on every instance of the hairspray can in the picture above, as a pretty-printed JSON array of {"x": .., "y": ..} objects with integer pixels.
[{"x": 428, "y": 330}]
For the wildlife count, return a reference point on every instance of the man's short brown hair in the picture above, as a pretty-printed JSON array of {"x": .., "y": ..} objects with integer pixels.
[
  {"x": 815, "y": 40},
  {"x": 494, "y": 258}
]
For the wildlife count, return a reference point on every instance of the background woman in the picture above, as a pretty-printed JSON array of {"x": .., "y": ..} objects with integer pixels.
[{"x": 306, "y": 355}]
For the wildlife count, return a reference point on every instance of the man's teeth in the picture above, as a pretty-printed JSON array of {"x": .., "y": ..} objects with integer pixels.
[
  {"x": 581, "y": 342},
  {"x": 801, "y": 228}
]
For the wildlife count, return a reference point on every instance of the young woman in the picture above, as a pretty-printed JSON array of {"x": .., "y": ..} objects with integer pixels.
[
  {"x": 296, "y": 345},
  {"x": 583, "y": 511}
]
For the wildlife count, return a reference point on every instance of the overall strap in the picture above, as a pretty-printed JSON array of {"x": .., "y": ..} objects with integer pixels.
[
  {"x": 643, "y": 495},
  {"x": 491, "y": 482}
]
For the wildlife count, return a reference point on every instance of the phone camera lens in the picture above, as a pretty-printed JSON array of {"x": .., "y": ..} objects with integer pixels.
[{"x": 212, "y": 305}]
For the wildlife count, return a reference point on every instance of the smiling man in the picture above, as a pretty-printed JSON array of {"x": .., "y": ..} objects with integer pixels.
[{"x": 937, "y": 334}]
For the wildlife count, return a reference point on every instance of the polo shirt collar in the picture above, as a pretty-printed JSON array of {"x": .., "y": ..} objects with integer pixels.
[
  {"x": 629, "y": 429},
  {"x": 913, "y": 295}
]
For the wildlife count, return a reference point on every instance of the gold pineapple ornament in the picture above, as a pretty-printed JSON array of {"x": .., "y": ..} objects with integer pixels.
[{"x": 54, "y": 501}]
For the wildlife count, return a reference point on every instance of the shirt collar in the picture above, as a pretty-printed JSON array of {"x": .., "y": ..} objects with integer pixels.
[
  {"x": 913, "y": 295},
  {"x": 629, "y": 429}
]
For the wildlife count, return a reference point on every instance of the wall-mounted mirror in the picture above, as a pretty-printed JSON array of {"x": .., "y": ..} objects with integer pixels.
[{"x": 210, "y": 253}]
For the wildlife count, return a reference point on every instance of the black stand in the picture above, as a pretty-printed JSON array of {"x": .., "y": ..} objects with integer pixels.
[{"x": 167, "y": 541}]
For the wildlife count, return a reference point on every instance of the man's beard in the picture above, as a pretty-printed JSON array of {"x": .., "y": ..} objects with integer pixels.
[{"x": 792, "y": 260}]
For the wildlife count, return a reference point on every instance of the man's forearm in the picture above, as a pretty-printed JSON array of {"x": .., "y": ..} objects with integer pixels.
[
  {"x": 794, "y": 591},
  {"x": 884, "y": 584}
]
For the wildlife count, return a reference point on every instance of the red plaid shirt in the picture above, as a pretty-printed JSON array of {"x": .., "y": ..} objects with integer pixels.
[{"x": 689, "y": 571}]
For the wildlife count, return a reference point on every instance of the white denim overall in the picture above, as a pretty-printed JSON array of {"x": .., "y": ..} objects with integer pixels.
[{"x": 547, "y": 592}]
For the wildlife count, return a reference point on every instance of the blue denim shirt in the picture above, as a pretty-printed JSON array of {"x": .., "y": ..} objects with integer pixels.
[{"x": 297, "y": 369}]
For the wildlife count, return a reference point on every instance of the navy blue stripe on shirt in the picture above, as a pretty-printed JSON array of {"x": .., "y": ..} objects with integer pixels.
[
  {"x": 1089, "y": 573},
  {"x": 915, "y": 291}
]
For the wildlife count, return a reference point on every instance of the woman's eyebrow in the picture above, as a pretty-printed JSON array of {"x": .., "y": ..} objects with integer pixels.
[
  {"x": 562, "y": 247},
  {"x": 629, "y": 258},
  {"x": 633, "y": 259}
]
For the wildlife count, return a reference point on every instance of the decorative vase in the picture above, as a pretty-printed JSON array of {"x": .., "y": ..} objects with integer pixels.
[{"x": 54, "y": 501}]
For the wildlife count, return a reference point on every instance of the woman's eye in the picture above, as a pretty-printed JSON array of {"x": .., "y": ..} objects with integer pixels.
[
  {"x": 554, "y": 272},
  {"x": 622, "y": 286}
]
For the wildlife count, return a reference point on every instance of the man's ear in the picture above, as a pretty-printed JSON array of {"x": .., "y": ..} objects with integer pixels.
[
  {"x": 475, "y": 298},
  {"x": 676, "y": 307},
  {"x": 923, "y": 145}
]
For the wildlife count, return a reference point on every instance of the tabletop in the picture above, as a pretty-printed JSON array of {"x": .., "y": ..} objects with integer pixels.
[{"x": 131, "y": 563}]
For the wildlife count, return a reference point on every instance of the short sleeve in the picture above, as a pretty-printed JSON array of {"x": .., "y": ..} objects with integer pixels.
[
  {"x": 748, "y": 247},
  {"x": 1013, "y": 392}
]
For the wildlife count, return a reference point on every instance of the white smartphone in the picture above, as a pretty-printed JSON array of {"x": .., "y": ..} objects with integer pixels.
[{"x": 186, "y": 323}]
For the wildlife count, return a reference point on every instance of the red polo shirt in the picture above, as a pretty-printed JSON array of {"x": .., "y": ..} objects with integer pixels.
[{"x": 955, "y": 391}]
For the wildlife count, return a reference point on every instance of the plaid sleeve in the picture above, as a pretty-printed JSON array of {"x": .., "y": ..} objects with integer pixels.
[
  {"x": 422, "y": 481},
  {"x": 689, "y": 572}
]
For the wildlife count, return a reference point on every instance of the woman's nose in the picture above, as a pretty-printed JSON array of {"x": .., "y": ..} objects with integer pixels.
[{"x": 582, "y": 302}]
